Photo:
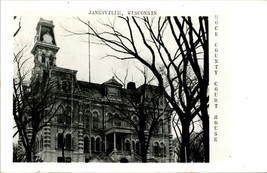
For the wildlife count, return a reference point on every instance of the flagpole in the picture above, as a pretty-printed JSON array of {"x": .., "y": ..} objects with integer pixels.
[
  {"x": 89, "y": 51},
  {"x": 90, "y": 115}
]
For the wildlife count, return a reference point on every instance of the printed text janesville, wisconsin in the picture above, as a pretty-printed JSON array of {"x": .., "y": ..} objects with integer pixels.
[{"x": 119, "y": 13}]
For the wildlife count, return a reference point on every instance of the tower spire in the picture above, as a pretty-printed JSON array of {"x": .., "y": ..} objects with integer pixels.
[{"x": 45, "y": 47}]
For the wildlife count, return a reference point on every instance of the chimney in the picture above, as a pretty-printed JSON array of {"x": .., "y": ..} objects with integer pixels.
[{"x": 131, "y": 86}]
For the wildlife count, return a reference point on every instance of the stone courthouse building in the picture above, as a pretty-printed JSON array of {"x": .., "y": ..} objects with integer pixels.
[{"x": 85, "y": 128}]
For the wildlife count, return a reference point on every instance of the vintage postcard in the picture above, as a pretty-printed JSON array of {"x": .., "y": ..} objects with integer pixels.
[{"x": 133, "y": 86}]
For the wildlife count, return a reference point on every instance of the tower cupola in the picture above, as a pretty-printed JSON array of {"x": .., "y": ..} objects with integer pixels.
[{"x": 45, "y": 47}]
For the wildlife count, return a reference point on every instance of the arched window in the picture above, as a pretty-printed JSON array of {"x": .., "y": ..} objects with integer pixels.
[
  {"x": 133, "y": 146},
  {"x": 109, "y": 120},
  {"x": 59, "y": 140},
  {"x": 127, "y": 145},
  {"x": 68, "y": 115},
  {"x": 43, "y": 58},
  {"x": 160, "y": 126},
  {"x": 51, "y": 61},
  {"x": 138, "y": 147},
  {"x": 41, "y": 143},
  {"x": 95, "y": 120},
  {"x": 37, "y": 144},
  {"x": 86, "y": 144},
  {"x": 98, "y": 144},
  {"x": 92, "y": 144},
  {"x": 156, "y": 148},
  {"x": 68, "y": 141},
  {"x": 135, "y": 119},
  {"x": 60, "y": 116},
  {"x": 64, "y": 85},
  {"x": 162, "y": 149},
  {"x": 86, "y": 119},
  {"x": 58, "y": 84},
  {"x": 156, "y": 130},
  {"x": 117, "y": 121}
]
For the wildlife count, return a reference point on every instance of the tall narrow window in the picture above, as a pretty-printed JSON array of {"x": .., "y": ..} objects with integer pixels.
[
  {"x": 68, "y": 115},
  {"x": 86, "y": 119},
  {"x": 156, "y": 148},
  {"x": 127, "y": 145},
  {"x": 68, "y": 141},
  {"x": 64, "y": 85},
  {"x": 41, "y": 143},
  {"x": 161, "y": 126},
  {"x": 51, "y": 61},
  {"x": 156, "y": 129},
  {"x": 86, "y": 144},
  {"x": 60, "y": 116},
  {"x": 98, "y": 144},
  {"x": 92, "y": 144},
  {"x": 37, "y": 144},
  {"x": 59, "y": 140},
  {"x": 109, "y": 120},
  {"x": 117, "y": 121},
  {"x": 95, "y": 120},
  {"x": 138, "y": 148},
  {"x": 43, "y": 58},
  {"x": 133, "y": 146},
  {"x": 162, "y": 149}
]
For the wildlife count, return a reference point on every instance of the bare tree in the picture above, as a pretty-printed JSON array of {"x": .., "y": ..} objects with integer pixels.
[
  {"x": 176, "y": 52},
  {"x": 144, "y": 109},
  {"x": 19, "y": 26},
  {"x": 68, "y": 122},
  {"x": 34, "y": 102},
  {"x": 196, "y": 147},
  {"x": 194, "y": 41}
]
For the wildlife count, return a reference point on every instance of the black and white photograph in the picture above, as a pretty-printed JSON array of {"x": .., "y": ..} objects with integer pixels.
[
  {"x": 110, "y": 88},
  {"x": 152, "y": 108}
]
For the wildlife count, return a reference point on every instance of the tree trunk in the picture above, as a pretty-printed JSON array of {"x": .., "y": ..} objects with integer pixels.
[
  {"x": 142, "y": 139},
  {"x": 204, "y": 98},
  {"x": 29, "y": 154},
  {"x": 185, "y": 150},
  {"x": 206, "y": 138},
  {"x": 63, "y": 151},
  {"x": 143, "y": 152}
]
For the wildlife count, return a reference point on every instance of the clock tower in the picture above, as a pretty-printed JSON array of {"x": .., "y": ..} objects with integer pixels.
[{"x": 45, "y": 47}]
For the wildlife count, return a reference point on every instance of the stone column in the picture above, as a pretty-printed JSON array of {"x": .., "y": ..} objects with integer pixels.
[
  {"x": 95, "y": 144},
  {"x": 105, "y": 144},
  {"x": 80, "y": 129},
  {"x": 114, "y": 140},
  {"x": 80, "y": 137},
  {"x": 131, "y": 147},
  {"x": 148, "y": 148},
  {"x": 170, "y": 148},
  {"x": 47, "y": 136}
]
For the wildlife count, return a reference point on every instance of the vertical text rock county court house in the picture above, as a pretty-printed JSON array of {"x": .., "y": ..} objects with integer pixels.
[{"x": 89, "y": 125}]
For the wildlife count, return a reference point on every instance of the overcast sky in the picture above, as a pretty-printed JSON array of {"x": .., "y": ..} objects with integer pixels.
[{"x": 73, "y": 52}]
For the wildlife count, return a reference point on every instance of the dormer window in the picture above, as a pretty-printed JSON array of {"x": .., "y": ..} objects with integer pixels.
[
  {"x": 51, "y": 61},
  {"x": 112, "y": 88},
  {"x": 66, "y": 85},
  {"x": 111, "y": 91},
  {"x": 43, "y": 58}
]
